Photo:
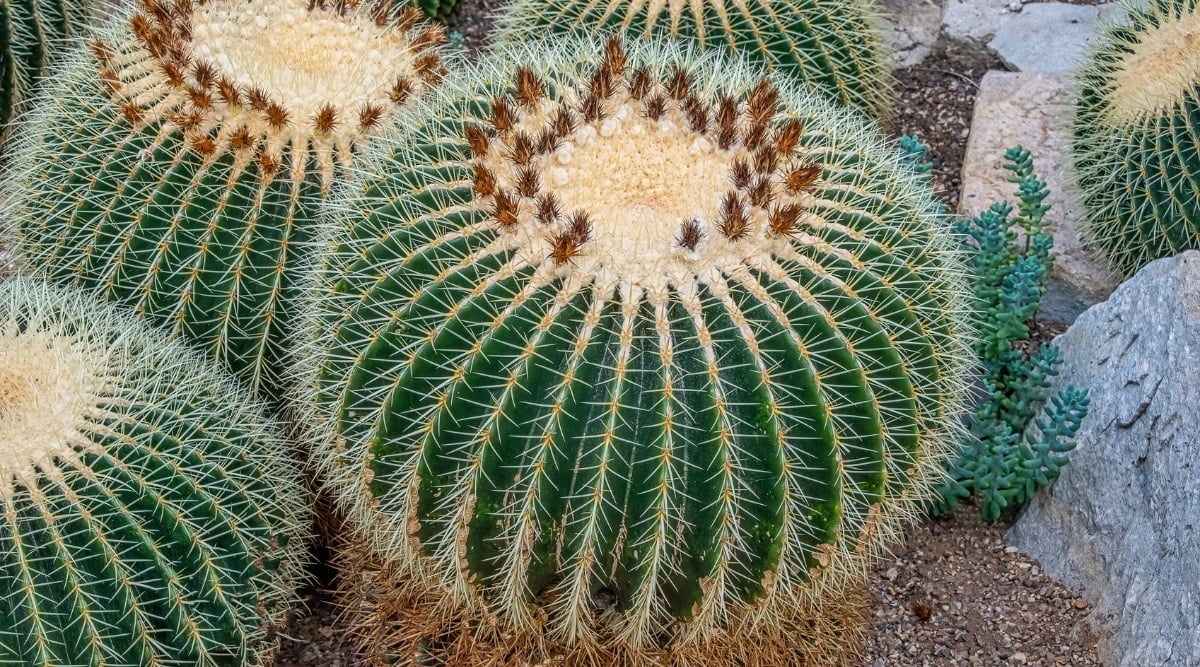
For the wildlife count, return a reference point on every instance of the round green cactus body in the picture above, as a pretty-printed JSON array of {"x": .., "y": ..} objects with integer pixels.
[
  {"x": 1135, "y": 133},
  {"x": 180, "y": 163},
  {"x": 633, "y": 346},
  {"x": 832, "y": 46},
  {"x": 30, "y": 32},
  {"x": 149, "y": 513}
]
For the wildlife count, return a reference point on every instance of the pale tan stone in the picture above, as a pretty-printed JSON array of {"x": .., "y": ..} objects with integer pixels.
[{"x": 1030, "y": 109}]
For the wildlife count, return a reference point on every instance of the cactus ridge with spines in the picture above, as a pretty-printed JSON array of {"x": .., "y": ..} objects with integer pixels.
[
  {"x": 1134, "y": 136},
  {"x": 30, "y": 33},
  {"x": 180, "y": 162},
  {"x": 832, "y": 46},
  {"x": 547, "y": 411},
  {"x": 149, "y": 512}
]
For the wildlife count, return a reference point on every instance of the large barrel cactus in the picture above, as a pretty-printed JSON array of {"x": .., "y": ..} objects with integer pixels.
[
  {"x": 149, "y": 513},
  {"x": 1135, "y": 135},
  {"x": 181, "y": 160},
  {"x": 834, "y": 46},
  {"x": 634, "y": 351},
  {"x": 31, "y": 31}
]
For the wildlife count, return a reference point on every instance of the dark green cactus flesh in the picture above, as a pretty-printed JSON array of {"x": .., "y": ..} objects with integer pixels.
[
  {"x": 442, "y": 10},
  {"x": 182, "y": 160},
  {"x": 832, "y": 46},
  {"x": 149, "y": 513},
  {"x": 1135, "y": 136},
  {"x": 688, "y": 341},
  {"x": 31, "y": 31}
]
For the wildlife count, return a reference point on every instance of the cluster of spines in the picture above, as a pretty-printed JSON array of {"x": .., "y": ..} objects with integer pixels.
[
  {"x": 163, "y": 28},
  {"x": 833, "y": 46},
  {"x": 30, "y": 32},
  {"x": 754, "y": 183}
]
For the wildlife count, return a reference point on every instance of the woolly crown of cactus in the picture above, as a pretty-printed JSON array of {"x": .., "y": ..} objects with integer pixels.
[
  {"x": 646, "y": 328},
  {"x": 1134, "y": 135},
  {"x": 149, "y": 512},
  {"x": 833, "y": 46},
  {"x": 30, "y": 31},
  {"x": 179, "y": 162}
]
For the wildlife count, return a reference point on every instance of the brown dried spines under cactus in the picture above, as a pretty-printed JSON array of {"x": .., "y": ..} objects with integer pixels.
[{"x": 394, "y": 624}]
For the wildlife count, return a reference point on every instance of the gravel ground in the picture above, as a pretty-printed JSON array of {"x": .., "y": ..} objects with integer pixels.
[
  {"x": 934, "y": 101},
  {"x": 954, "y": 594}
]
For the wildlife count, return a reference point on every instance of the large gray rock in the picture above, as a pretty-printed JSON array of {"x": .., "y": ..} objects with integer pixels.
[
  {"x": 1122, "y": 523},
  {"x": 1046, "y": 37},
  {"x": 910, "y": 28},
  {"x": 1029, "y": 109}
]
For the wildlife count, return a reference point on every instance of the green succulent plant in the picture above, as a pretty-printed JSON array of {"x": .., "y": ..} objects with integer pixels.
[
  {"x": 149, "y": 513},
  {"x": 1134, "y": 135},
  {"x": 634, "y": 350},
  {"x": 30, "y": 33},
  {"x": 1019, "y": 437},
  {"x": 180, "y": 162},
  {"x": 832, "y": 46}
]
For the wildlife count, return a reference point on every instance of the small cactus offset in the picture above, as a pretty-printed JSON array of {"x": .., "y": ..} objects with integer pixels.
[
  {"x": 1003, "y": 462},
  {"x": 833, "y": 46},
  {"x": 149, "y": 513},
  {"x": 31, "y": 31},
  {"x": 637, "y": 352},
  {"x": 180, "y": 163},
  {"x": 1135, "y": 132}
]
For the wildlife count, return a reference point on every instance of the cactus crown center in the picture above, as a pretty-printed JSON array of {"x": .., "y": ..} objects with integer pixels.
[
  {"x": 47, "y": 384},
  {"x": 1161, "y": 68},
  {"x": 630, "y": 179},
  {"x": 254, "y": 78}
]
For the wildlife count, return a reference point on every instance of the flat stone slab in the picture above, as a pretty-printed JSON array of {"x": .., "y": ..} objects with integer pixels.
[
  {"x": 1025, "y": 36},
  {"x": 1029, "y": 109},
  {"x": 910, "y": 29},
  {"x": 968, "y": 25},
  {"x": 1046, "y": 37},
  {"x": 1121, "y": 525}
]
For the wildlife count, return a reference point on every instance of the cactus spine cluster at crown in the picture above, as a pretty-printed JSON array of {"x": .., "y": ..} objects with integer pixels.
[
  {"x": 183, "y": 156},
  {"x": 646, "y": 328},
  {"x": 833, "y": 46},
  {"x": 30, "y": 32},
  {"x": 1135, "y": 135},
  {"x": 149, "y": 513}
]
